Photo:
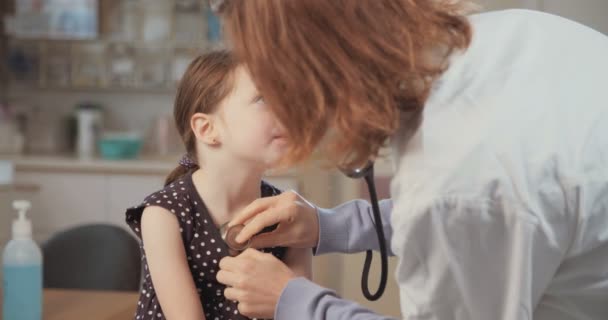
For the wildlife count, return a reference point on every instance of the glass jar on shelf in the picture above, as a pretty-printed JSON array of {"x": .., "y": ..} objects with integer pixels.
[
  {"x": 121, "y": 65},
  {"x": 89, "y": 65},
  {"x": 189, "y": 25},
  {"x": 152, "y": 66},
  {"x": 157, "y": 20},
  {"x": 57, "y": 64},
  {"x": 121, "y": 20},
  {"x": 181, "y": 59}
]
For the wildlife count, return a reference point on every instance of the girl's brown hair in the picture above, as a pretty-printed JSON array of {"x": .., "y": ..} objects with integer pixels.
[
  {"x": 347, "y": 71},
  {"x": 206, "y": 82}
]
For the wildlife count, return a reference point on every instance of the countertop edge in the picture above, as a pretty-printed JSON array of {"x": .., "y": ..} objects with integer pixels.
[{"x": 142, "y": 166}]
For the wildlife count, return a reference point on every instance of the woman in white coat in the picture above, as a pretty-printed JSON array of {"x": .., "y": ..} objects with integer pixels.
[{"x": 497, "y": 124}]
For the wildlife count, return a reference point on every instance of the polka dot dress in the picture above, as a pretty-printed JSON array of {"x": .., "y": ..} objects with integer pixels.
[{"x": 204, "y": 249}]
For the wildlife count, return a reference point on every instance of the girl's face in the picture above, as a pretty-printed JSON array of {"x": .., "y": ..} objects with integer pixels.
[{"x": 248, "y": 130}]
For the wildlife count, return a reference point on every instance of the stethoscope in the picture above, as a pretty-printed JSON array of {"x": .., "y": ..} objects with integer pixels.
[{"x": 229, "y": 234}]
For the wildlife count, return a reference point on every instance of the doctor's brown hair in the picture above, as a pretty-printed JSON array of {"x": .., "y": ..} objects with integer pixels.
[{"x": 344, "y": 74}]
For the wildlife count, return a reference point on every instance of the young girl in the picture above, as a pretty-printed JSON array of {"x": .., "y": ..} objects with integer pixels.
[{"x": 231, "y": 138}]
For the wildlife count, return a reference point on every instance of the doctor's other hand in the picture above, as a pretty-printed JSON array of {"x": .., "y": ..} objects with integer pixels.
[
  {"x": 298, "y": 223},
  {"x": 256, "y": 280}
]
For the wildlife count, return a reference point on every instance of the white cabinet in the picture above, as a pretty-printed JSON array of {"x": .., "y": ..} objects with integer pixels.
[
  {"x": 68, "y": 199},
  {"x": 64, "y": 200},
  {"x": 127, "y": 191}
]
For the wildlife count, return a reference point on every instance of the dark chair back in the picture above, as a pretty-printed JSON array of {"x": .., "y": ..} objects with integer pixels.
[{"x": 92, "y": 257}]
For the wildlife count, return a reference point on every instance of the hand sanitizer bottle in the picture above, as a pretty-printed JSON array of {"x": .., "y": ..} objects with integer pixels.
[{"x": 22, "y": 269}]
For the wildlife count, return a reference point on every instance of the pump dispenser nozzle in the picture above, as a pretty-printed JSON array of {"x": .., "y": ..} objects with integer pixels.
[{"x": 22, "y": 226}]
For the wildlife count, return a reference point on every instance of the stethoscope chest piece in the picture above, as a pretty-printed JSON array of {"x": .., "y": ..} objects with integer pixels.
[{"x": 229, "y": 236}]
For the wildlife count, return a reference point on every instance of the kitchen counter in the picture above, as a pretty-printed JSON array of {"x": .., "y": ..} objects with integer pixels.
[
  {"x": 19, "y": 187},
  {"x": 66, "y": 163},
  {"x": 145, "y": 165}
]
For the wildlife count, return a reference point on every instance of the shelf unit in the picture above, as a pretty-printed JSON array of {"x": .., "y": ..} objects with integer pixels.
[{"x": 143, "y": 45}]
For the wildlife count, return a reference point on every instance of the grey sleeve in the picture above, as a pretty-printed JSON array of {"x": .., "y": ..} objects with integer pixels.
[
  {"x": 304, "y": 300},
  {"x": 350, "y": 228}
]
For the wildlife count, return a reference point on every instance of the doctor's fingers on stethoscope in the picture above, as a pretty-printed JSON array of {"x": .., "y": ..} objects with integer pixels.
[{"x": 297, "y": 220}]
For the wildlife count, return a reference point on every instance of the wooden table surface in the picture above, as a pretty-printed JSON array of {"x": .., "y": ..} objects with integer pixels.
[{"x": 81, "y": 304}]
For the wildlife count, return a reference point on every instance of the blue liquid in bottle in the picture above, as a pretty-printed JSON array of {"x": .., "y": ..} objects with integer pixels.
[{"x": 22, "y": 292}]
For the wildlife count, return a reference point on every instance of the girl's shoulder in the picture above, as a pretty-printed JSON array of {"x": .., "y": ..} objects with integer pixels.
[{"x": 175, "y": 198}]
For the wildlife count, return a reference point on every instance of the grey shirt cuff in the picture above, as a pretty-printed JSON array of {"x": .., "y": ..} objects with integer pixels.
[
  {"x": 350, "y": 228},
  {"x": 333, "y": 235},
  {"x": 304, "y": 300}
]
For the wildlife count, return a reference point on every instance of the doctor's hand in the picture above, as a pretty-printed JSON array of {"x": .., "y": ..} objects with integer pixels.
[
  {"x": 298, "y": 223},
  {"x": 256, "y": 280}
]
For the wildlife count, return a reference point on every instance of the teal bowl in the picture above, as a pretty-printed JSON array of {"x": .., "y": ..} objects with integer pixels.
[{"x": 120, "y": 148}]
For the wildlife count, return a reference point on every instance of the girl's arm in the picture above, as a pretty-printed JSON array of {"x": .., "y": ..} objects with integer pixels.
[
  {"x": 299, "y": 261},
  {"x": 168, "y": 265}
]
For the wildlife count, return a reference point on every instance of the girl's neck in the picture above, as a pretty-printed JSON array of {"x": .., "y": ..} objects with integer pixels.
[{"x": 226, "y": 191}]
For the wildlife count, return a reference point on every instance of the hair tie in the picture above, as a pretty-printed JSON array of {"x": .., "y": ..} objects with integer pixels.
[{"x": 187, "y": 162}]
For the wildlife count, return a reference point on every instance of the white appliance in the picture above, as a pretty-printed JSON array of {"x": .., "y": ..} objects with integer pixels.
[{"x": 90, "y": 120}]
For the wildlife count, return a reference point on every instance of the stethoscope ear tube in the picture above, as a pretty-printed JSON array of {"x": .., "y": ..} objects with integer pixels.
[{"x": 369, "y": 178}]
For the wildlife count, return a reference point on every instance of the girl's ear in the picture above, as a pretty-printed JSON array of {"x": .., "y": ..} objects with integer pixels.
[{"x": 204, "y": 128}]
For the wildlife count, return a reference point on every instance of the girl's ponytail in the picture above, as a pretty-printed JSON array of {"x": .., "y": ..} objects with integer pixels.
[{"x": 186, "y": 165}]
